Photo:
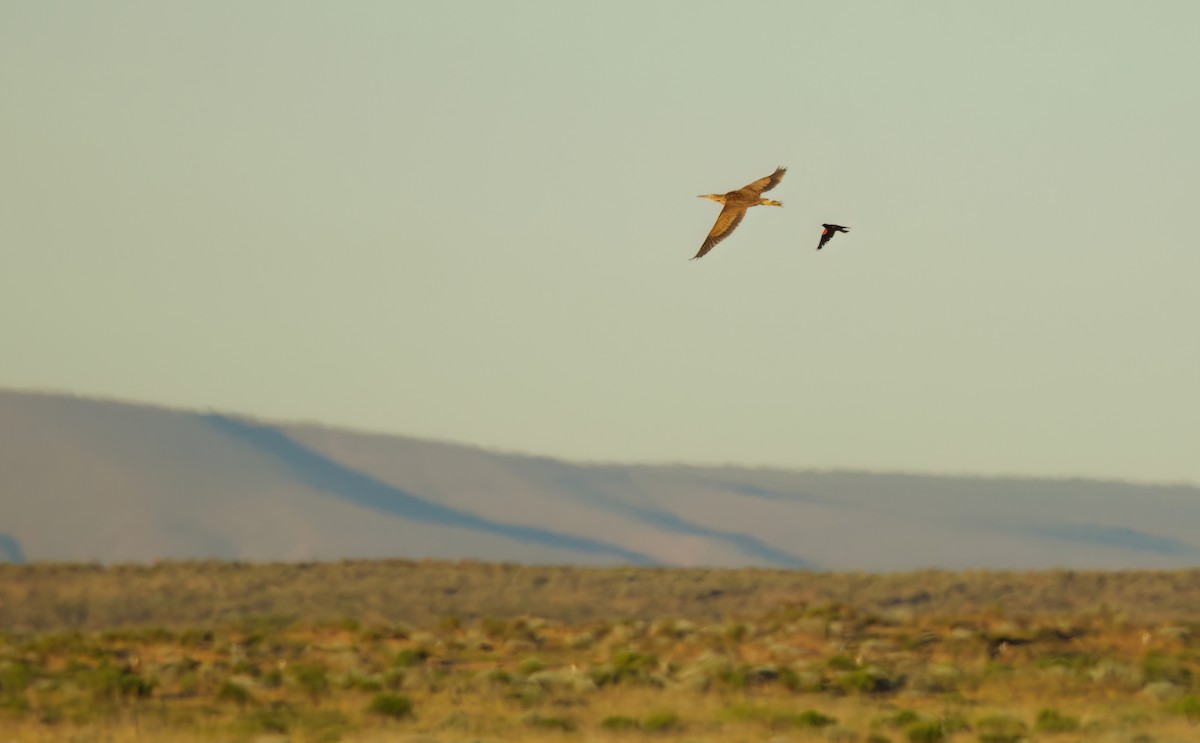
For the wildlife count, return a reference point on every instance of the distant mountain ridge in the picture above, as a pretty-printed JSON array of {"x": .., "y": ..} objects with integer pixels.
[{"x": 86, "y": 479}]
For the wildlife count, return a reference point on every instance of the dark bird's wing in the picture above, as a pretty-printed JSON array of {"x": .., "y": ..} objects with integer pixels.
[
  {"x": 763, "y": 185},
  {"x": 826, "y": 235},
  {"x": 727, "y": 221}
]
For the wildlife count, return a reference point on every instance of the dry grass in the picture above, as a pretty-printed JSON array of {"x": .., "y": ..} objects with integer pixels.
[
  {"x": 42, "y": 597},
  {"x": 893, "y": 661}
]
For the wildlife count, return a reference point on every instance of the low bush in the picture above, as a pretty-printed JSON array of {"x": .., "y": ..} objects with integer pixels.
[
  {"x": 1000, "y": 729},
  {"x": 409, "y": 657},
  {"x": 619, "y": 723},
  {"x": 1053, "y": 721},
  {"x": 312, "y": 678},
  {"x": 661, "y": 722},
  {"x": 394, "y": 706},
  {"x": 235, "y": 693},
  {"x": 1188, "y": 706},
  {"x": 551, "y": 722},
  {"x": 530, "y": 666},
  {"x": 927, "y": 731}
]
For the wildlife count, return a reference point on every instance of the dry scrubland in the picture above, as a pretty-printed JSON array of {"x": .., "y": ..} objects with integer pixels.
[{"x": 405, "y": 651}]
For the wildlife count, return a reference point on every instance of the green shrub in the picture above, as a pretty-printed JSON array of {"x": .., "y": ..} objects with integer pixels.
[
  {"x": 550, "y": 722},
  {"x": 1053, "y": 721},
  {"x": 619, "y": 722},
  {"x": 497, "y": 676},
  {"x": 735, "y": 677},
  {"x": 628, "y": 664},
  {"x": 1000, "y": 729},
  {"x": 275, "y": 718},
  {"x": 394, "y": 706},
  {"x": 913, "y": 644},
  {"x": 527, "y": 695},
  {"x": 312, "y": 678},
  {"x": 50, "y": 714},
  {"x": 902, "y": 718},
  {"x": 322, "y": 725},
  {"x": 841, "y": 662},
  {"x": 624, "y": 666},
  {"x": 1158, "y": 666},
  {"x": 928, "y": 731},
  {"x": 736, "y": 632},
  {"x": 494, "y": 628},
  {"x": 14, "y": 703},
  {"x": 188, "y": 685},
  {"x": 110, "y": 683},
  {"x": 752, "y": 712},
  {"x": 231, "y": 691},
  {"x": 57, "y": 642},
  {"x": 582, "y": 641},
  {"x": 776, "y": 718},
  {"x": 374, "y": 633},
  {"x": 954, "y": 724},
  {"x": 409, "y": 657},
  {"x": 435, "y": 680},
  {"x": 400, "y": 631},
  {"x": 661, "y": 722},
  {"x": 793, "y": 680},
  {"x": 1077, "y": 662},
  {"x": 195, "y": 638},
  {"x": 264, "y": 625},
  {"x": 530, "y": 666},
  {"x": 809, "y": 718},
  {"x": 789, "y": 679},
  {"x": 393, "y": 678},
  {"x": 1188, "y": 706},
  {"x": 370, "y": 684},
  {"x": 246, "y": 668},
  {"x": 15, "y": 677},
  {"x": 825, "y": 609},
  {"x": 862, "y": 682},
  {"x": 155, "y": 634}
]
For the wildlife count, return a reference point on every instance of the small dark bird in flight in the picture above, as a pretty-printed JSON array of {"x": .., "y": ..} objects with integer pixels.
[
  {"x": 736, "y": 203},
  {"x": 828, "y": 232}
]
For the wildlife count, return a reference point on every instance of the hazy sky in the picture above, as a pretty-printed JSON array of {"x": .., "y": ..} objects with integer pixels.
[{"x": 472, "y": 221}]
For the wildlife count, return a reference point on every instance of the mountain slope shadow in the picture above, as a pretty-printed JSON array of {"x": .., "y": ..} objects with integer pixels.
[
  {"x": 325, "y": 474},
  {"x": 1117, "y": 536},
  {"x": 746, "y": 543},
  {"x": 589, "y": 487}
]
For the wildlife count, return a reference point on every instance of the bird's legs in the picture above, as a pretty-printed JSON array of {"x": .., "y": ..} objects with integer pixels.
[{"x": 769, "y": 202}]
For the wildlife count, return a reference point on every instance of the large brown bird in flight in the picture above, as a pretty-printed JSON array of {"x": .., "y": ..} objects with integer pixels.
[{"x": 736, "y": 203}]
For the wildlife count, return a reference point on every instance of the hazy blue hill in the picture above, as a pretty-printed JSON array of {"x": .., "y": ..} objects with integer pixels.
[
  {"x": 10, "y": 549},
  {"x": 100, "y": 480},
  {"x": 108, "y": 481}
]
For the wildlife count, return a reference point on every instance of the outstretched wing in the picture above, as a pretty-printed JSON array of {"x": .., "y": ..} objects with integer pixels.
[
  {"x": 727, "y": 221},
  {"x": 826, "y": 236},
  {"x": 763, "y": 185}
]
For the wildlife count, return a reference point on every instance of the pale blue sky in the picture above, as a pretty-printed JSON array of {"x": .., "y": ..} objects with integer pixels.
[{"x": 471, "y": 221}]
